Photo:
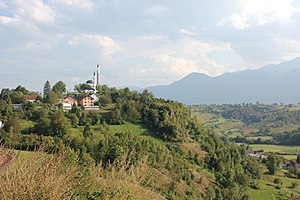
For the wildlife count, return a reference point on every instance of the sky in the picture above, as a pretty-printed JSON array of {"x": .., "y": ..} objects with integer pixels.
[{"x": 141, "y": 42}]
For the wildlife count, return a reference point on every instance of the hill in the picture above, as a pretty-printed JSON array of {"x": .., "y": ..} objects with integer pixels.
[
  {"x": 270, "y": 84},
  {"x": 135, "y": 147}
]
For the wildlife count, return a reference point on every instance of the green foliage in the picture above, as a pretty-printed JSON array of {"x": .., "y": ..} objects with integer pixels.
[
  {"x": 60, "y": 125},
  {"x": 273, "y": 163},
  {"x": 105, "y": 100},
  {"x": 47, "y": 89},
  {"x": 59, "y": 88}
]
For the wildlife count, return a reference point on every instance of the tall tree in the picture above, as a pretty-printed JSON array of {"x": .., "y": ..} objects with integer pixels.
[
  {"x": 59, "y": 88},
  {"x": 60, "y": 125},
  {"x": 273, "y": 163},
  {"x": 47, "y": 89}
]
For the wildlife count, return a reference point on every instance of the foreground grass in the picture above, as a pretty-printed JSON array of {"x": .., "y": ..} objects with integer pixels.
[{"x": 36, "y": 176}]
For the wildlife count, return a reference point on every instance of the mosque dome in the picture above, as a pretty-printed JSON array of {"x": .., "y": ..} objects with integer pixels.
[{"x": 90, "y": 82}]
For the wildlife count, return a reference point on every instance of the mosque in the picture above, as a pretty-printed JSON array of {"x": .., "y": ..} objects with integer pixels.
[{"x": 92, "y": 89}]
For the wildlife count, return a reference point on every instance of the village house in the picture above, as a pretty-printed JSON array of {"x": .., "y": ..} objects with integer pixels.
[
  {"x": 1, "y": 124},
  {"x": 30, "y": 98},
  {"x": 17, "y": 107},
  {"x": 68, "y": 102},
  {"x": 254, "y": 154},
  {"x": 88, "y": 103}
]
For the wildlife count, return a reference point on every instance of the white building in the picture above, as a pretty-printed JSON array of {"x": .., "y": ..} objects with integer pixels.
[{"x": 1, "y": 124}]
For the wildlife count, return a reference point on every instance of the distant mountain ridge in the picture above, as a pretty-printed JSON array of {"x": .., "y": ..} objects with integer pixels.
[{"x": 270, "y": 84}]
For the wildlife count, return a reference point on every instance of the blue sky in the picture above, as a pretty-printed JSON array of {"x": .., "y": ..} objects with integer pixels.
[{"x": 141, "y": 43}]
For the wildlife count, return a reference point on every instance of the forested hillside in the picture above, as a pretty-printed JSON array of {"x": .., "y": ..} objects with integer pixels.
[{"x": 134, "y": 145}]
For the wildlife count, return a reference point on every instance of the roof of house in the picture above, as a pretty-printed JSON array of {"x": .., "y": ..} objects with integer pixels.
[
  {"x": 69, "y": 97},
  {"x": 30, "y": 97}
]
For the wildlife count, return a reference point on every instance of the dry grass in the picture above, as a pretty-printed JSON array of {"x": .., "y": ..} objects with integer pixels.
[
  {"x": 43, "y": 176},
  {"x": 122, "y": 180},
  {"x": 36, "y": 177}
]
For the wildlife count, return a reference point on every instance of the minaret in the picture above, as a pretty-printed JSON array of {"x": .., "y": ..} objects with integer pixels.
[
  {"x": 98, "y": 74},
  {"x": 94, "y": 80}
]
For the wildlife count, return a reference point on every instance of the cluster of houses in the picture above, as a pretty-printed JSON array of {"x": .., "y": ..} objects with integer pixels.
[
  {"x": 285, "y": 165},
  {"x": 256, "y": 154},
  {"x": 87, "y": 102}
]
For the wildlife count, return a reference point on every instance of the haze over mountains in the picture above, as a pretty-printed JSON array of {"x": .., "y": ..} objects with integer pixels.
[{"x": 270, "y": 84}]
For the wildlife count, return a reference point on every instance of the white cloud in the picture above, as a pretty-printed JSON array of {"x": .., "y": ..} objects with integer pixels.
[
  {"x": 107, "y": 44},
  {"x": 265, "y": 11},
  {"x": 158, "y": 9},
  {"x": 7, "y": 20},
  {"x": 35, "y": 10},
  {"x": 187, "y": 32},
  {"x": 84, "y": 4},
  {"x": 238, "y": 21}
]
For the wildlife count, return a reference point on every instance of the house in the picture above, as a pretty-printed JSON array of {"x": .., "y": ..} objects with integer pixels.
[
  {"x": 1, "y": 124},
  {"x": 289, "y": 165},
  {"x": 68, "y": 102},
  {"x": 86, "y": 101},
  {"x": 256, "y": 154},
  {"x": 17, "y": 107},
  {"x": 30, "y": 98}
]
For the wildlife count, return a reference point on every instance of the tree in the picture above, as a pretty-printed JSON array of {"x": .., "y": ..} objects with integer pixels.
[
  {"x": 104, "y": 100},
  {"x": 60, "y": 125},
  {"x": 5, "y": 94},
  {"x": 6, "y": 109},
  {"x": 51, "y": 98},
  {"x": 47, "y": 89},
  {"x": 298, "y": 158},
  {"x": 74, "y": 119},
  {"x": 59, "y": 88},
  {"x": 12, "y": 124},
  {"x": 22, "y": 90},
  {"x": 273, "y": 163},
  {"x": 87, "y": 132}
]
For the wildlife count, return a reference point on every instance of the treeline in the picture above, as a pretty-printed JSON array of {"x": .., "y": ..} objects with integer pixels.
[
  {"x": 288, "y": 138},
  {"x": 249, "y": 113}
]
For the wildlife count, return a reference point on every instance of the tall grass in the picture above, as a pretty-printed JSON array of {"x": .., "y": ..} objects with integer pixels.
[
  {"x": 123, "y": 180},
  {"x": 36, "y": 177},
  {"x": 51, "y": 176}
]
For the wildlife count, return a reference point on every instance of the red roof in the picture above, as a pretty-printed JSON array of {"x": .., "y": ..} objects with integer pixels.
[{"x": 30, "y": 97}]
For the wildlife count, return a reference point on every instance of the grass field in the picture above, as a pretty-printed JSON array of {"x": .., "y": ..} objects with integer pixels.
[
  {"x": 137, "y": 129},
  {"x": 288, "y": 152},
  {"x": 277, "y": 148},
  {"x": 268, "y": 190},
  {"x": 290, "y": 127}
]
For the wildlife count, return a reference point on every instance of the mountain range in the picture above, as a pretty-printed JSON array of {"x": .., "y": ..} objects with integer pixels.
[{"x": 270, "y": 84}]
